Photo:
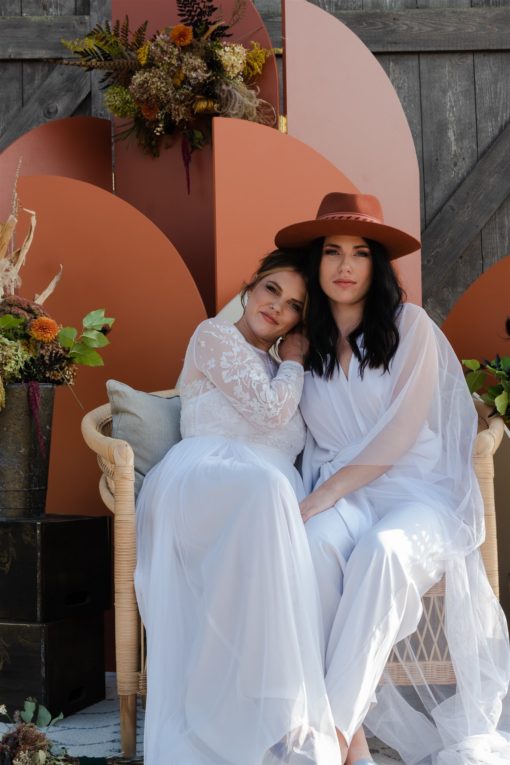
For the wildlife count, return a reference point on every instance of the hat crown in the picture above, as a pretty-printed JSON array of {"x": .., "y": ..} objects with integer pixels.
[{"x": 339, "y": 204}]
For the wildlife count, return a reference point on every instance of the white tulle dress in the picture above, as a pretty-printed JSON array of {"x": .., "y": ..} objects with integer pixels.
[
  {"x": 224, "y": 578},
  {"x": 381, "y": 547}
]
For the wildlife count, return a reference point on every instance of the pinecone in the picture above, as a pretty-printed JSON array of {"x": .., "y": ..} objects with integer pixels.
[{"x": 51, "y": 365}]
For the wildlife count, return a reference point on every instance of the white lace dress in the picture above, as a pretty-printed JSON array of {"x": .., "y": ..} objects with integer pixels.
[{"x": 224, "y": 578}]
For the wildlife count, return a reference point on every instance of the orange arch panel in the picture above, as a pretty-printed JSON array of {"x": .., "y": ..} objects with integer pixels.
[
  {"x": 113, "y": 258},
  {"x": 76, "y": 147},
  {"x": 476, "y": 324},
  {"x": 263, "y": 180},
  {"x": 341, "y": 103}
]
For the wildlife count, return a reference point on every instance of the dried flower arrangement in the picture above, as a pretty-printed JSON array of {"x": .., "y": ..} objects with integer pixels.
[
  {"x": 497, "y": 372},
  {"x": 33, "y": 347},
  {"x": 176, "y": 81},
  {"x": 25, "y": 743}
]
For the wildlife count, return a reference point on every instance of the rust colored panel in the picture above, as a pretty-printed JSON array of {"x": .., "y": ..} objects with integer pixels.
[
  {"x": 476, "y": 324},
  {"x": 76, "y": 147},
  {"x": 157, "y": 187},
  {"x": 263, "y": 180},
  {"x": 113, "y": 258},
  {"x": 341, "y": 103}
]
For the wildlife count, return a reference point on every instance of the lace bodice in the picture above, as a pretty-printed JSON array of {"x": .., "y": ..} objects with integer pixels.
[{"x": 230, "y": 388}]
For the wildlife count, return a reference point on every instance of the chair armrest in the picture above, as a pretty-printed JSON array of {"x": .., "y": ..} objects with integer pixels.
[
  {"x": 112, "y": 450},
  {"x": 487, "y": 440}
]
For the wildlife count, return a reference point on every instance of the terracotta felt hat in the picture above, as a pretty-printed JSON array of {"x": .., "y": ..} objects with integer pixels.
[{"x": 353, "y": 214}]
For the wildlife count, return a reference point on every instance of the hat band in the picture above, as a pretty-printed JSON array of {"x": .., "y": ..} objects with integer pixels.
[{"x": 349, "y": 216}]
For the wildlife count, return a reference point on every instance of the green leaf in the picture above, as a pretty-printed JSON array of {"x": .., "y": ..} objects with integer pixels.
[
  {"x": 28, "y": 711},
  {"x": 83, "y": 354},
  {"x": 494, "y": 390},
  {"x": 43, "y": 717},
  {"x": 9, "y": 321},
  {"x": 57, "y": 719},
  {"x": 501, "y": 402},
  {"x": 475, "y": 380},
  {"x": 94, "y": 339},
  {"x": 472, "y": 364},
  {"x": 488, "y": 399},
  {"x": 97, "y": 320},
  {"x": 505, "y": 364},
  {"x": 67, "y": 336}
]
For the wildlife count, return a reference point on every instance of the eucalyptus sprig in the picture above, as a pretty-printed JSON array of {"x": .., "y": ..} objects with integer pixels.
[{"x": 480, "y": 376}]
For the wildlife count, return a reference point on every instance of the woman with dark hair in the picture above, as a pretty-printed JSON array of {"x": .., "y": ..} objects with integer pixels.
[
  {"x": 393, "y": 502},
  {"x": 224, "y": 576}
]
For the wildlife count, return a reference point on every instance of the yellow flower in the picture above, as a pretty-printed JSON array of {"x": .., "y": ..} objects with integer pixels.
[
  {"x": 178, "y": 78},
  {"x": 142, "y": 54},
  {"x": 43, "y": 329},
  {"x": 205, "y": 105},
  {"x": 181, "y": 35},
  {"x": 255, "y": 60}
]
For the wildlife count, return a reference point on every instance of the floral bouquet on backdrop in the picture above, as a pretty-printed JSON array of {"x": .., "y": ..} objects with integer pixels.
[
  {"x": 176, "y": 81},
  {"x": 33, "y": 347}
]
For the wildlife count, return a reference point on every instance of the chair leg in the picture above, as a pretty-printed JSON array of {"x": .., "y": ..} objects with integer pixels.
[{"x": 128, "y": 725}]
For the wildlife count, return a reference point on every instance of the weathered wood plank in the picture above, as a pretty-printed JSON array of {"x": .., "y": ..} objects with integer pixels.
[
  {"x": 424, "y": 29},
  {"x": 466, "y": 212},
  {"x": 60, "y": 94},
  {"x": 49, "y": 7},
  {"x": 466, "y": 269},
  {"x": 36, "y": 37},
  {"x": 492, "y": 80},
  {"x": 449, "y": 125},
  {"x": 11, "y": 86},
  {"x": 449, "y": 154},
  {"x": 100, "y": 11}
]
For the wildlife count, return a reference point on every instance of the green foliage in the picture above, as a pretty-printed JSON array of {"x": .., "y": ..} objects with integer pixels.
[
  {"x": 491, "y": 379},
  {"x": 81, "y": 347}
]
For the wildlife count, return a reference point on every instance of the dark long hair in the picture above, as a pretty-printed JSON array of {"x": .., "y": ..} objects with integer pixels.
[{"x": 377, "y": 327}]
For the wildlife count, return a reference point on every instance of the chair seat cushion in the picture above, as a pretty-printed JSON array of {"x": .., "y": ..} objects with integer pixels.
[{"x": 148, "y": 422}]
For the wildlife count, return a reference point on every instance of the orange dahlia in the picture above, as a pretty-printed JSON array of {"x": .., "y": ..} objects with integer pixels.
[
  {"x": 181, "y": 35},
  {"x": 43, "y": 329}
]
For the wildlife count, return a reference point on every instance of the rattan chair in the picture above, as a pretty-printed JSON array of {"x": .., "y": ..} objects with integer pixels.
[{"x": 116, "y": 487}]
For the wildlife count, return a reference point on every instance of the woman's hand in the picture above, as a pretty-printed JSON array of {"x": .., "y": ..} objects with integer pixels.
[
  {"x": 315, "y": 503},
  {"x": 293, "y": 347}
]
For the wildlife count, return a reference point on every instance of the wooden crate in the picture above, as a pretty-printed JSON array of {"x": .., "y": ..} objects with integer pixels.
[
  {"x": 60, "y": 663},
  {"x": 53, "y": 567}
]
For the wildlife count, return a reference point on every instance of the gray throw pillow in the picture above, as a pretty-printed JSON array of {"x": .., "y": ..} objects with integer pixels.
[{"x": 149, "y": 423}]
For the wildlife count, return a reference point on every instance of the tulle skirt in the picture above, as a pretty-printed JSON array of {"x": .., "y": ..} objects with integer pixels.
[{"x": 228, "y": 596}]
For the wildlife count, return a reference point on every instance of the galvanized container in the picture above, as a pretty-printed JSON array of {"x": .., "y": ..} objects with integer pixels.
[{"x": 24, "y": 452}]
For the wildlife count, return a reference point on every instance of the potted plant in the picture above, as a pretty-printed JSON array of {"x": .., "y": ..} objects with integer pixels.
[{"x": 36, "y": 354}]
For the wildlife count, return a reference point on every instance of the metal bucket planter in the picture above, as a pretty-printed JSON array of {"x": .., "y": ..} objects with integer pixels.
[{"x": 25, "y": 451}]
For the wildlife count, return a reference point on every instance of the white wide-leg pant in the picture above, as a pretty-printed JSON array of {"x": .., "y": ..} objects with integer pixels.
[{"x": 371, "y": 573}]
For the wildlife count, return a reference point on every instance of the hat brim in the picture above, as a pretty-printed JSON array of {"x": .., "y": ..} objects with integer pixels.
[{"x": 396, "y": 242}]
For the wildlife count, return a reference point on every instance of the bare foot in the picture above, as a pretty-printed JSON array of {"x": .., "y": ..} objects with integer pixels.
[{"x": 358, "y": 749}]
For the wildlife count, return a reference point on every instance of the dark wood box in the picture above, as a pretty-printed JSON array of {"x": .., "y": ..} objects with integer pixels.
[
  {"x": 60, "y": 663},
  {"x": 53, "y": 567}
]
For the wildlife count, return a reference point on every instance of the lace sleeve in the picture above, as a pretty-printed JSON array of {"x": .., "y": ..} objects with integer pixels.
[{"x": 228, "y": 361}]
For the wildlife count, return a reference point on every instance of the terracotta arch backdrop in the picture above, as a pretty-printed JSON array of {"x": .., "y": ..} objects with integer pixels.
[
  {"x": 263, "y": 180},
  {"x": 342, "y": 104},
  {"x": 76, "y": 147},
  {"x": 476, "y": 328},
  {"x": 157, "y": 187},
  {"x": 113, "y": 258}
]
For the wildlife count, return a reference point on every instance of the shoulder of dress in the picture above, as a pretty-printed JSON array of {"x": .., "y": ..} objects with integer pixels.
[{"x": 216, "y": 327}]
